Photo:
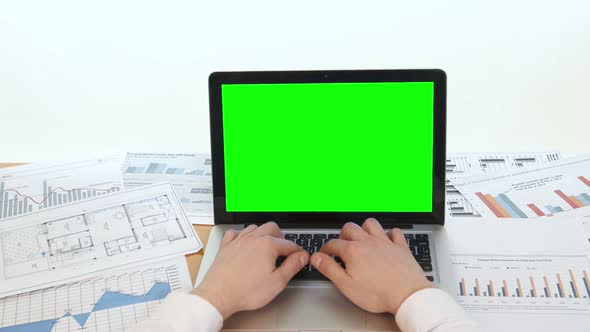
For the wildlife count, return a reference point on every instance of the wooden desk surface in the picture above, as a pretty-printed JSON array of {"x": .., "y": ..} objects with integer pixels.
[{"x": 193, "y": 260}]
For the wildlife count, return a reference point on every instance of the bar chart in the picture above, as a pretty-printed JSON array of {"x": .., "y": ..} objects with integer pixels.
[
  {"x": 190, "y": 174},
  {"x": 167, "y": 164},
  {"x": 460, "y": 165},
  {"x": 14, "y": 203},
  {"x": 526, "y": 283},
  {"x": 27, "y": 189},
  {"x": 540, "y": 192}
]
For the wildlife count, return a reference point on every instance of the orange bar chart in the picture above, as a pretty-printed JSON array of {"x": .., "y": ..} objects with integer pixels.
[
  {"x": 533, "y": 288},
  {"x": 547, "y": 289},
  {"x": 574, "y": 285}
]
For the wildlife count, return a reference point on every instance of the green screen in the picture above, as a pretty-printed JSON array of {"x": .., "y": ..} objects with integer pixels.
[{"x": 328, "y": 147}]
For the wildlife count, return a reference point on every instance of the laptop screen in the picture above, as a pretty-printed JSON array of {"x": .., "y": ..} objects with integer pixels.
[{"x": 328, "y": 147}]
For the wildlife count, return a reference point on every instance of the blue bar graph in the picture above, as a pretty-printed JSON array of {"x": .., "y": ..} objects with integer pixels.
[
  {"x": 574, "y": 290},
  {"x": 132, "y": 169},
  {"x": 584, "y": 198},
  {"x": 461, "y": 289},
  {"x": 177, "y": 171},
  {"x": 510, "y": 206},
  {"x": 586, "y": 286},
  {"x": 156, "y": 168},
  {"x": 559, "y": 290}
]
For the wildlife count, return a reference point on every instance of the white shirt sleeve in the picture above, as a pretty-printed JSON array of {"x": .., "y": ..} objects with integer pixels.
[
  {"x": 428, "y": 310},
  {"x": 433, "y": 310},
  {"x": 181, "y": 312}
]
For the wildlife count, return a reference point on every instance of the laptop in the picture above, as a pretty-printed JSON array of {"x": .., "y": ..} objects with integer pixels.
[{"x": 313, "y": 150}]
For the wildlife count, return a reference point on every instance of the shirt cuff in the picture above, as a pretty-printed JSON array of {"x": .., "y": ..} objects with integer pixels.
[
  {"x": 431, "y": 308},
  {"x": 181, "y": 312}
]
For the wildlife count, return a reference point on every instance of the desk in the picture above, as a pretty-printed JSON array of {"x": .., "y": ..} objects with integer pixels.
[{"x": 193, "y": 260}]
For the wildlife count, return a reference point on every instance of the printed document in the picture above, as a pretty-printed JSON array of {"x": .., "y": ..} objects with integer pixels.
[
  {"x": 65, "y": 243},
  {"x": 189, "y": 174}
]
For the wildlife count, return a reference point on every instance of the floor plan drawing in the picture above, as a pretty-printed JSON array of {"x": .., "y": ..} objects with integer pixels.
[{"x": 133, "y": 225}]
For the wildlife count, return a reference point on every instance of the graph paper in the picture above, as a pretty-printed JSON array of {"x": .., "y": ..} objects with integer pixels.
[{"x": 112, "y": 301}]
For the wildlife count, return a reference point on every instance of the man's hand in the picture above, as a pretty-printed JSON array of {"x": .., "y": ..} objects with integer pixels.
[
  {"x": 380, "y": 269},
  {"x": 243, "y": 275}
]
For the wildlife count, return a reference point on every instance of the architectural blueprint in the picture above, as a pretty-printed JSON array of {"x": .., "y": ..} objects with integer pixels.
[{"x": 67, "y": 242}]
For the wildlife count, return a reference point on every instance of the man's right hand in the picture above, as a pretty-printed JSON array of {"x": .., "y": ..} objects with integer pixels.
[{"x": 380, "y": 269}]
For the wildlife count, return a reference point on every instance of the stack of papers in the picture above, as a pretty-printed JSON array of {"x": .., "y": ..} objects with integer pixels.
[
  {"x": 527, "y": 275},
  {"x": 69, "y": 232}
]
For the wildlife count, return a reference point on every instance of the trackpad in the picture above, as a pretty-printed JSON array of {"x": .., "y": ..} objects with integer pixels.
[{"x": 305, "y": 308}]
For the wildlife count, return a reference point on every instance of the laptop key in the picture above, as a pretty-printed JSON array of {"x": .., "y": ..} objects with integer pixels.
[
  {"x": 423, "y": 251},
  {"x": 423, "y": 259},
  {"x": 302, "y": 242},
  {"x": 333, "y": 236},
  {"x": 430, "y": 278},
  {"x": 290, "y": 236},
  {"x": 426, "y": 267},
  {"x": 305, "y": 236},
  {"x": 315, "y": 242},
  {"x": 320, "y": 236},
  {"x": 310, "y": 249},
  {"x": 419, "y": 242}
]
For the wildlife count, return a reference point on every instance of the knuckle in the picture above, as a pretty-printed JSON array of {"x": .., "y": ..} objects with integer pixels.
[{"x": 348, "y": 226}]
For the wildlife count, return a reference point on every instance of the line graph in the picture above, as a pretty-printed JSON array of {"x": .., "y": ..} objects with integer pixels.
[
  {"x": 30, "y": 188},
  {"x": 46, "y": 196},
  {"x": 109, "y": 300},
  {"x": 114, "y": 301}
]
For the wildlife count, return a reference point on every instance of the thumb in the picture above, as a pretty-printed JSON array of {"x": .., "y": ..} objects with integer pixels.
[
  {"x": 292, "y": 264},
  {"x": 328, "y": 267}
]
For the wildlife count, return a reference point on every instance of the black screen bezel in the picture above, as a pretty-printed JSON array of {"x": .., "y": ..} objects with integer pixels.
[{"x": 329, "y": 219}]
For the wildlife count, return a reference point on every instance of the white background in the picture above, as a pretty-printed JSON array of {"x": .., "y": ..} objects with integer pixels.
[{"x": 111, "y": 76}]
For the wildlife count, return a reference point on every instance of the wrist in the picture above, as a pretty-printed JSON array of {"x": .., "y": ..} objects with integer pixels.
[
  {"x": 215, "y": 299},
  {"x": 409, "y": 294}
]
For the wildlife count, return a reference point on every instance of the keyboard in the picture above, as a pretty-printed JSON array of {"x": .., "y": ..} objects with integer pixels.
[{"x": 419, "y": 246}]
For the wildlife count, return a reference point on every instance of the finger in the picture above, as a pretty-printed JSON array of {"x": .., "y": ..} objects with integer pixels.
[
  {"x": 246, "y": 231},
  {"x": 292, "y": 264},
  {"x": 336, "y": 247},
  {"x": 270, "y": 228},
  {"x": 229, "y": 236},
  {"x": 389, "y": 235},
  {"x": 398, "y": 238},
  {"x": 373, "y": 227},
  {"x": 332, "y": 270},
  {"x": 284, "y": 247},
  {"x": 352, "y": 232}
]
